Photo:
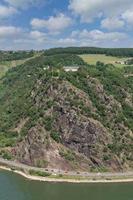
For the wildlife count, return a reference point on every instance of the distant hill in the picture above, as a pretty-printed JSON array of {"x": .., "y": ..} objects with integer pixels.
[
  {"x": 15, "y": 55},
  {"x": 121, "y": 52}
]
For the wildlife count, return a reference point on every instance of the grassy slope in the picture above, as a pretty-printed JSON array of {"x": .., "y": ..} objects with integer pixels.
[
  {"x": 93, "y": 58},
  {"x": 6, "y": 65}
]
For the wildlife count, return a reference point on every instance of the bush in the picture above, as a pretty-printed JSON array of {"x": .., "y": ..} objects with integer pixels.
[
  {"x": 6, "y": 155},
  {"x": 41, "y": 163},
  {"x": 48, "y": 123},
  {"x": 39, "y": 173},
  {"x": 67, "y": 154},
  {"x": 55, "y": 136}
]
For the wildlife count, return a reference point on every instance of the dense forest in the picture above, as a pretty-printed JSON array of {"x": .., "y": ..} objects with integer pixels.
[
  {"x": 121, "y": 52},
  {"x": 15, "y": 55}
]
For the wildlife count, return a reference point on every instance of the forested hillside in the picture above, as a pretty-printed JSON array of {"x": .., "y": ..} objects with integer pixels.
[
  {"x": 15, "y": 55},
  {"x": 121, "y": 52},
  {"x": 68, "y": 120}
]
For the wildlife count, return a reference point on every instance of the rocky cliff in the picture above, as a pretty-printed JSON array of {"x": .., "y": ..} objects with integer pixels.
[{"x": 67, "y": 120}]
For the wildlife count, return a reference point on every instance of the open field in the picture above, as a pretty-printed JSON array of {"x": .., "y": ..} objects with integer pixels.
[
  {"x": 5, "y": 65},
  {"x": 93, "y": 58}
]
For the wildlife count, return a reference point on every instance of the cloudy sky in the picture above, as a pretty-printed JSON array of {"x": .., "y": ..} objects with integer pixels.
[{"x": 40, "y": 24}]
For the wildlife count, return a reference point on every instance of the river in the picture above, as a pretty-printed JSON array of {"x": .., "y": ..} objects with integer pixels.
[{"x": 15, "y": 187}]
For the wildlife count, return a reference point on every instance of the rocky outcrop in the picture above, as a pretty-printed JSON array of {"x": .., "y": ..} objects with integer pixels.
[
  {"x": 79, "y": 133},
  {"x": 84, "y": 143},
  {"x": 38, "y": 149}
]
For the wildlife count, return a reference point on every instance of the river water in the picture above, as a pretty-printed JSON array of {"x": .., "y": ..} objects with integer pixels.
[{"x": 15, "y": 187}]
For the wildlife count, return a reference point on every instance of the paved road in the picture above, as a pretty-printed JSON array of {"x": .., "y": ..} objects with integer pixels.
[{"x": 69, "y": 173}]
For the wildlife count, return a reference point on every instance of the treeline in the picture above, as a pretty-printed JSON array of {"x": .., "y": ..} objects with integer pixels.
[
  {"x": 120, "y": 52},
  {"x": 57, "y": 60},
  {"x": 15, "y": 55},
  {"x": 18, "y": 55}
]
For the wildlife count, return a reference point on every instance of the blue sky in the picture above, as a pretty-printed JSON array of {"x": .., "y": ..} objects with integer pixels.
[{"x": 41, "y": 24}]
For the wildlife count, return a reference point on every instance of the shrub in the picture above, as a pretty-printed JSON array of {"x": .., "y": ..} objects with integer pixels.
[
  {"x": 6, "y": 155},
  {"x": 39, "y": 173},
  {"x": 67, "y": 154},
  {"x": 41, "y": 163},
  {"x": 55, "y": 136},
  {"x": 48, "y": 123}
]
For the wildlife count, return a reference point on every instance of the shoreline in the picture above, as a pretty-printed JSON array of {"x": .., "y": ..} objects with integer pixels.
[{"x": 61, "y": 180}]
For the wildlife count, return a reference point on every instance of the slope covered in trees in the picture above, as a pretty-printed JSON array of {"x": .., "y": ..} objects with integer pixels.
[
  {"x": 121, "y": 52},
  {"x": 81, "y": 120},
  {"x": 15, "y": 55}
]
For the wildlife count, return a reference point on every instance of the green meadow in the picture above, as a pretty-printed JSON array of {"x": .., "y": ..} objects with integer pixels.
[
  {"x": 93, "y": 58},
  {"x": 6, "y": 65}
]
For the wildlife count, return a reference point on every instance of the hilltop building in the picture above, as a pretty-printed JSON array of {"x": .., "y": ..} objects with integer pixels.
[{"x": 73, "y": 68}]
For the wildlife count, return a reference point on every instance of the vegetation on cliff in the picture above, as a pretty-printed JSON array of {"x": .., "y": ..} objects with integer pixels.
[{"x": 80, "y": 120}]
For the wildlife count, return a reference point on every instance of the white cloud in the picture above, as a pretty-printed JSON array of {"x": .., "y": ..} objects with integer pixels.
[
  {"x": 67, "y": 42},
  {"x": 91, "y": 9},
  {"x": 24, "y": 3},
  {"x": 57, "y": 23},
  {"x": 98, "y": 36},
  {"x": 37, "y": 35},
  {"x": 92, "y": 38},
  {"x": 17, "y": 38},
  {"x": 9, "y": 32},
  {"x": 128, "y": 17},
  {"x": 102, "y": 36},
  {"x": 6, "y": 11},
  {"x": 112, "y": 23}
]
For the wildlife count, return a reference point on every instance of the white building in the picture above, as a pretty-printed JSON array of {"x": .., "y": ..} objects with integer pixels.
[
  {"x": 71, "y": 68},
  {"x": 47, "y": 67}
]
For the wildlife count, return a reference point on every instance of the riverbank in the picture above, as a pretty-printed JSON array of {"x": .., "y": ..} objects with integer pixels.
[{"x": 65, "y": 180}]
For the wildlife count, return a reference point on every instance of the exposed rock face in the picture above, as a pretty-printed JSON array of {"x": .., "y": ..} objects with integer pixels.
[
  {"x": 33, "y": 147},
  {"x": 80, "y": 133},
  {"x": 85, "y": 140},
  {"x": 38, "y": 149}
]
